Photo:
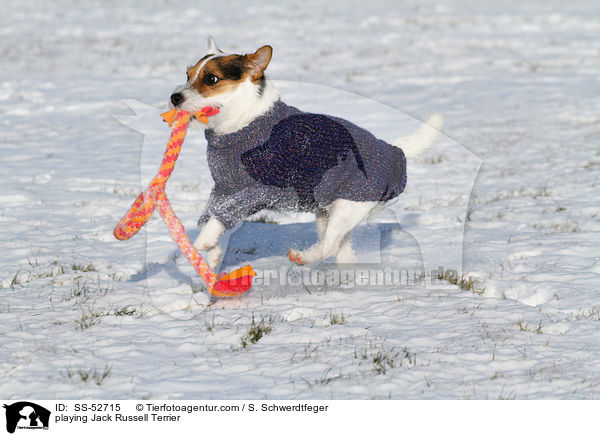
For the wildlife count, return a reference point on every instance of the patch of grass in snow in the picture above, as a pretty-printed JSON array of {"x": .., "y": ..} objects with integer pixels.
[
  {"x": 566, "y": 227},
  {"x": 325, "y": 378},
  {"x": 90, "y": 375},
  {"x": 210, "y": 326},
  {"x": 54, "y": 269},
  {"x": 548, "y": 373},
  {"x": 464, "y": 283},
  {"x": 534, "y": 192},
  {"x": 83, "y": 268},
  {"x": 525, "y": 327},
  {"x": 89, "y": 319},
  {"x": 257, "y": 331},
  {"x": 94, "y": 316},
  {"x": 124, "y": 311},
  {"x": 469, "y": 215},
  {"x": 382, "y": 359},
  {"x": 510, "y": 396},
  {"x": 435, "y": 160},
  {"x": 310, "y": 352},
  {"x": 57, "y": 269},
  {"x": 590, "y": 314},
  {"x": 78, "y": 289},
  {"x": 468, "y": 310},
  {"x": 16, "y": 281},
  {"x": 83, "y": 289},
  {"x": 123, "y": 190},
  {"x": 335, "y": 318}
]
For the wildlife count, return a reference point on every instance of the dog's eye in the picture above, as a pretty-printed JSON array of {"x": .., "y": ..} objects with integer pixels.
[
  {"x": 187, "y": 75},
  {"x": 210, "y": 79}
]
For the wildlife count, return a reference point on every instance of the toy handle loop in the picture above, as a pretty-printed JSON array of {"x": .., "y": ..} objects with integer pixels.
[{"x": 154, "y": 196}]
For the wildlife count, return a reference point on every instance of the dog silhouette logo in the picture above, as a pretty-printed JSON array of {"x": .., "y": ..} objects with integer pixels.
[{"x": 26, "y": 415}]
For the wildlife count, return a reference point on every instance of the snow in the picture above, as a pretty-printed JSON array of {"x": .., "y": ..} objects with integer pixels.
[{"x": 508, "y": 197}]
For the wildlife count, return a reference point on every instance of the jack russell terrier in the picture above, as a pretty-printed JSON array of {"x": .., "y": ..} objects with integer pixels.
[{"x": 264, "y": 154}]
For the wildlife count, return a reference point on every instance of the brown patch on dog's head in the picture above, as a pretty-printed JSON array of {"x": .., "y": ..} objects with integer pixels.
[{"x": 223, "y": 73}]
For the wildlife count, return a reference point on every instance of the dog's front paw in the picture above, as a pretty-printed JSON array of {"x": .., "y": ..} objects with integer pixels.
[
  {"x": 214, "y": 257},
  {"x": 203, "y": 244},
  {"x": 209, "y": 236}
]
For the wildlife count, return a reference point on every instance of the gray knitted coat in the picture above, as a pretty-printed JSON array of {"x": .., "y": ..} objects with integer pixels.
[{"x": 292, "y": 160}]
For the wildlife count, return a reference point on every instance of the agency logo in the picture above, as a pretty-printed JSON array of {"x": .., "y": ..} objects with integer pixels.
[{"x": 26, "y": 415}]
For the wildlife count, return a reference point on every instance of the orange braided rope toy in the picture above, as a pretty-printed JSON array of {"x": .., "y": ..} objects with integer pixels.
[{"x": 230, "y": 285}]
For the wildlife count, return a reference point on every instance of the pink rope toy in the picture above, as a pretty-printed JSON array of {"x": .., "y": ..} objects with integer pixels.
[{"x": 226, "y": 285}]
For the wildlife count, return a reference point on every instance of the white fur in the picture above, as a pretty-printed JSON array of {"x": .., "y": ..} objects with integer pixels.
[
  {"x": 212, "y": 46},
  {"x": 210, "y": 235},
  {"x": 422, "y": 138},
  {"x": 344, "y": 215},
  {"x": 208, "y": 240}
]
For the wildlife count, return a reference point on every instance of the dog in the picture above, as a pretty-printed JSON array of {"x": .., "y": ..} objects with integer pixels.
[{"x": 264, "y": 154}]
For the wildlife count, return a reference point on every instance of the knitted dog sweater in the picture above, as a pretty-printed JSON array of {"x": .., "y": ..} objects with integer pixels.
[{"x": 292, "y": 160}]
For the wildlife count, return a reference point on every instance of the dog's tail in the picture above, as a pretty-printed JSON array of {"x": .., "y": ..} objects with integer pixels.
[{"x": 422, "y": 138}]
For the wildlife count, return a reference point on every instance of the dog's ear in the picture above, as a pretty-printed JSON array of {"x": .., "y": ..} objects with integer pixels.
[
  {"x": 260, "y": 60},
  {"x": 212, "y": 46}
]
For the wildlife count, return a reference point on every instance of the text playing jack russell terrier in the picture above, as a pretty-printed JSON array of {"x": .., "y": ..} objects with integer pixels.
[{"x": 264, "y": 154}]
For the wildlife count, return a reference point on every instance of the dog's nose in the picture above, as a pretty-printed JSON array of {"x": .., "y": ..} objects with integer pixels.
[{"x": 177, "y": 98}]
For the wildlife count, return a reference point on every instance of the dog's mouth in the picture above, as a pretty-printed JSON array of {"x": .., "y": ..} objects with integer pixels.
[
  {"x": 200, "y": 115},
  {"x": 205, "y": 112},
  {"x": 208, "y": 111},
  {"x": 189, "y": 100}
]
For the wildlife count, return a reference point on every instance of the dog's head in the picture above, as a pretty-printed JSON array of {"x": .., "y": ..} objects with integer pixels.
[{"x": 234, "y": 83}]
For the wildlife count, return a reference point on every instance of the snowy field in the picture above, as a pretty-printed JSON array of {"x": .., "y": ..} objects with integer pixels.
[{"x": 508, "y": 198}]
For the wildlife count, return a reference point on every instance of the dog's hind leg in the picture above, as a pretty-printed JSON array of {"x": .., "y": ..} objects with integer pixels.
[
  {"x": 344, "y": 215},
  {"x": 345, "y": 253},
  {"x": 321, "y": 218}
]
